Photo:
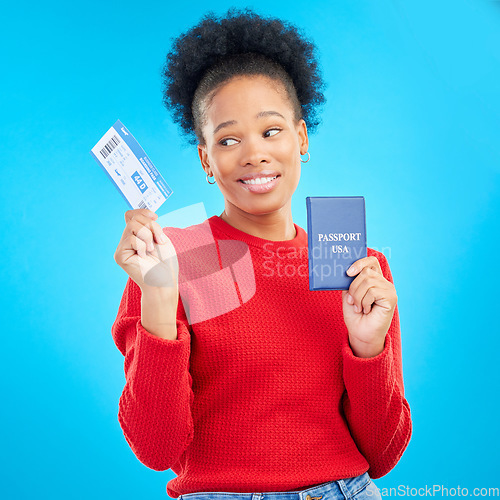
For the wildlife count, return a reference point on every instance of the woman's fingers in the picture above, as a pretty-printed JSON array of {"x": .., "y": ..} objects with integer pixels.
[
  {"x": 139, "y": 245},
  {"x": 362, "y": 293},
  {"x": 132, "y": 214},
  {"x": 147, "y": 263},
  {"x": 148, "y": 231},
  {"x": 370, "y": 262}
]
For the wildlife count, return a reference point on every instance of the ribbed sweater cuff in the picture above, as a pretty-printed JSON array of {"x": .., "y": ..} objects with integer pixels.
[
  {"x": 368, "y": 376},
  {"x": 155, "y": 342},
  {"x": 160, "y": 361}
]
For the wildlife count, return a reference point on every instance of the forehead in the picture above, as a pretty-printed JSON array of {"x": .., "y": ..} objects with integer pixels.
[{"x": 245, "y": 96}]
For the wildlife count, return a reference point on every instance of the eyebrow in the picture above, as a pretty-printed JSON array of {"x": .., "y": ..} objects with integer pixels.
[{"x": 262, "y": 114}]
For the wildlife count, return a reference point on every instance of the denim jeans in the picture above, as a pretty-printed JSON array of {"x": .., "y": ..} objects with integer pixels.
[{"x": 357, "y": 488}]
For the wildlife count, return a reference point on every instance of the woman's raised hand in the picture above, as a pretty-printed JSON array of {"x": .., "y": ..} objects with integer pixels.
[{"x": 146, "y": 254}]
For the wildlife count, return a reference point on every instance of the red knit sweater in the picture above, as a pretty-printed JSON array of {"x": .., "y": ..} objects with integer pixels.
[{"x": 261, "y": 390}]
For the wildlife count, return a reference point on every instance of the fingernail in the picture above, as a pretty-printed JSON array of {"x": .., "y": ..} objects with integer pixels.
[
  {"x": 351, "y": 270},
  {"x": 356, "y": 308},
  {"x": 163, "y": 238}
]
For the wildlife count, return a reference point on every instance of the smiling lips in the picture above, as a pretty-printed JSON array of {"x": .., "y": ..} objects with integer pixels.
[
  {"x": 259, "y": 183},
  {"x": 259, "y": 180}
]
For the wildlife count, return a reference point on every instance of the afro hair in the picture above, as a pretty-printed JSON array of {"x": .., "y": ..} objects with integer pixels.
[{"x": 215, "y": 40}]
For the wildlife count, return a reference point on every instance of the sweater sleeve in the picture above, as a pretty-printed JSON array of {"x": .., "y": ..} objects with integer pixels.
[
  {"x": 155, "y": 405},
  {"x": 374, "y": 404}
]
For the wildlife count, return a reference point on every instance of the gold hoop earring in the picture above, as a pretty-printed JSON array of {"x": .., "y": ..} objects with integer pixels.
[
  {"x": 211, "y": 182},
  {"x": 308, "y": 158}
]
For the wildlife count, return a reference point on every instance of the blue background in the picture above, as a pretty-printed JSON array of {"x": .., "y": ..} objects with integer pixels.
[{"x": 411, "y": 123}]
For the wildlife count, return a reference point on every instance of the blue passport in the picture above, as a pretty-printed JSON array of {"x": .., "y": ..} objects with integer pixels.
[{"x": 336, "y": 237}]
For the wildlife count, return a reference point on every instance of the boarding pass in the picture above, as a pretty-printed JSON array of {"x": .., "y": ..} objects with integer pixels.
[{"x": 130, "y": 169}]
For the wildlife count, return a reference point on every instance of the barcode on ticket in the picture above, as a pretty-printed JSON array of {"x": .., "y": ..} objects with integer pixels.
[{"x": 108, "y": 148}]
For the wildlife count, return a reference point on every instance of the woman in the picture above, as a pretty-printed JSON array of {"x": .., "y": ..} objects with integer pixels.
[{"x": 252, "y": 383}]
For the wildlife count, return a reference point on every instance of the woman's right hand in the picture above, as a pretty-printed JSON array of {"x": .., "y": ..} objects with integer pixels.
[{"x": 146, "y": 254}]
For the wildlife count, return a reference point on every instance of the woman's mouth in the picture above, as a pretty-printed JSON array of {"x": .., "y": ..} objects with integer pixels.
[{"x": 260, "y": 184}]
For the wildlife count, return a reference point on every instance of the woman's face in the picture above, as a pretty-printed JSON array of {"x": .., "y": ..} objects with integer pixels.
[{"x": 250, "y": 132}]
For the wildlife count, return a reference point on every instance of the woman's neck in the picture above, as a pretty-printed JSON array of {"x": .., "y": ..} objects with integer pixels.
[{"x": 277, "y": 226}]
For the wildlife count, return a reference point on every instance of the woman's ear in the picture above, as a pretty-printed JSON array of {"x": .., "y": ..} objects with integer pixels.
[
  {"x": 202, "y": 153},
  {"x": 303, "y": 137}
]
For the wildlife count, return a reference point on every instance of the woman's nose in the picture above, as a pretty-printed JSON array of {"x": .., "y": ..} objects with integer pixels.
[{"x": 253, "y": 152}]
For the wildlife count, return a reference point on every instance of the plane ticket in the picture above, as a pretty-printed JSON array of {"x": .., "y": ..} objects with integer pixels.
[{"x": 130, "y": 169}]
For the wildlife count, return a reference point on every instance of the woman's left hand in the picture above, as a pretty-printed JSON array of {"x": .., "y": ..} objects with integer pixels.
[{"x": 375, "y": 299}]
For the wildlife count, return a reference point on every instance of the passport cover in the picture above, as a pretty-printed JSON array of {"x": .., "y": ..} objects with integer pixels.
[{"x": 336, "y": 237}]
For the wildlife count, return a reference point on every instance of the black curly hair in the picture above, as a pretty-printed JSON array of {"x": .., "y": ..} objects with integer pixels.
[{"x": 241, "y": 42}]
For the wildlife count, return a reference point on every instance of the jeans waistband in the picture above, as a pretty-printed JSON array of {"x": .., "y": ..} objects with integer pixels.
[{"x": 339, "y": 488}]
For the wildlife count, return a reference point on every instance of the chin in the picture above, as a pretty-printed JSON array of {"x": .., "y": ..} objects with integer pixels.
[{"x": 261, "y": 209}]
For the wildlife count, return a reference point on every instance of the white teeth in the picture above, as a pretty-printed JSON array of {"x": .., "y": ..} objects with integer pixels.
[{"x": 260, "y": 180}]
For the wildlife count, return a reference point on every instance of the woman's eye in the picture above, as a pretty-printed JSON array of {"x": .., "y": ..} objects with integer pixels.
[
  {"x": 271, "y": 132},
  {"x": 227, "y": 142}
]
